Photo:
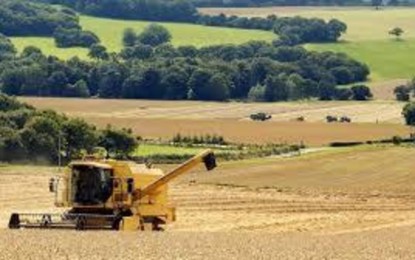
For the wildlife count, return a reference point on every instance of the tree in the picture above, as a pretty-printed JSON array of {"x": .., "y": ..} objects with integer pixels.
[
  {"x": 13, "y": 80},
  {"x": 31, "y": 51},
  {"x": 7, "y": 49},
  {"x": 327, "y": 88},
  {"x": 119, "y": 143},
  {"x": 78, "y": 135},
  {"x": 342, "y": 74},
  {"x": 110, "y": 80},
  {"x": 138, "y": 51},
  {"x": 174, "y": 81},
  {"x": 335, "y": 29},
  {"x": 377, "y": 3},
  {"x": 402, "y": 93},
  {"x": 129, "y": 38},
  {"x": 397, "y": 32},
  {"x": 361, "y": 92},
  {"x": 11, "y": 146},
  {"x": 98, "y": 51},
  {"x": 79, "y": 89},
  {"x": 72, "y": 37},
  {"x": 257, "y": 93},
  {"x": 409, "y": 113},
  {"x": 344, "y": 93},
  {"x": 11, "y": 103},
  {"x": 276, "y": 88},
  {"x": 40, "y": 138},
  {"x": 154, "y": 35},
  {"x": 219, "y": 87},
  {"x": 199, "y": 84},
  {"x": 57, "y": 83}
]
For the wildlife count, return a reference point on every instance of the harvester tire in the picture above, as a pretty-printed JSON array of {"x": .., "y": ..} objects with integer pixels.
[
  {"x": 14, "y": 222},
  {"x": 80, "y": 223},
  {"x": 46, "y": 220},
  {"x": 116, "y": 223}
]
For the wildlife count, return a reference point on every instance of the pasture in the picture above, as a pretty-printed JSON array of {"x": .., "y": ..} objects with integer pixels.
[
  {"x": 163, "y": 119},
  {"x": 367, "y": 37},
  {"x": 110, "y": 31},
  {"x": 157, "y": 149}
]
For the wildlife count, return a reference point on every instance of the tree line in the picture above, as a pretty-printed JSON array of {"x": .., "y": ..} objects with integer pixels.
[
  {"x": 150, "y": 68},
  {"x": 264, "y": 3},
  {"x": 28, "y": 18},
  {"x": 256, "y": 3},
  {"x": 149, "y": 10},
  {"x": 291, "y": 30},
  {"x": 30, "y": 134},
  {"x": 24, "y": 18}
]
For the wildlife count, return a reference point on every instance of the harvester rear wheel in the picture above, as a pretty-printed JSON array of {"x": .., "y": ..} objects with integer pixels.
[
  {"x": 80, "y": 223},
  {"x": 116, "y": 223}
]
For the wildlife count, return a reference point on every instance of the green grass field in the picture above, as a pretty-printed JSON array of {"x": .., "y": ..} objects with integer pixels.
[
  {"x": 367, "y": 37},
  {"x": 153, "y": 149},
  {"x": 110, "y": 32},
  {"x": 387, "y": 59},
  {"x": 368, "y": 40},
  {"x": 47, "y": 45}
]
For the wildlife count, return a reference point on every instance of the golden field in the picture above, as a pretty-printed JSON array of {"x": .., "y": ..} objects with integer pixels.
[
  {"x": 312, "y": 206},
  {"x": 163, "y": 119}
]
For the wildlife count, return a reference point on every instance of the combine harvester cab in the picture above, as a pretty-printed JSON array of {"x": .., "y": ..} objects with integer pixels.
[{"x": 110, "y": 194}]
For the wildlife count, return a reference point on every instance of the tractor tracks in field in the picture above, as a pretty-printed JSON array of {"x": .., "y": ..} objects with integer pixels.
[{"x": 213, "y": 208}]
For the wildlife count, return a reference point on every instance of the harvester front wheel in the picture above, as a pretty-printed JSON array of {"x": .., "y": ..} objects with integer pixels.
[
  {"x": 46, "y": 220},
  {"x": 14, "y": 222}
]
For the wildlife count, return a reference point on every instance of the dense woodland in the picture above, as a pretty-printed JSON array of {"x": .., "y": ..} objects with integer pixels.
[
  {"x": 28, "y": 133},
  {"x": 255, "y": 70},
  {"x": 291, "y": 30}
]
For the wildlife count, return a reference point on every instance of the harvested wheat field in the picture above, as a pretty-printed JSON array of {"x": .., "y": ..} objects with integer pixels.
[
  {"x": 163, "y": 119},
  {"x": 313, "y": 111},
  {"x": 333, "y": 204}
]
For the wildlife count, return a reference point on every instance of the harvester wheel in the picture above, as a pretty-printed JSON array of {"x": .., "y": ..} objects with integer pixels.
[
  {"x": 46, "y": 220},
  {"x": 80, "y": 223},
  {"x": 116, "y": 223},
  {"x": 14, "y": 222}
]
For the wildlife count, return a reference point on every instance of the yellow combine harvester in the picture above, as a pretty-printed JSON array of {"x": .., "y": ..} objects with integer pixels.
[{"x": 110, "y": 194}]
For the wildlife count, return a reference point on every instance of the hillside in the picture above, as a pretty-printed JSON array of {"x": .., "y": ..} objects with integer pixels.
[
  {"x": 110, "y": 32},
  {"x": 367, "y": 37}
]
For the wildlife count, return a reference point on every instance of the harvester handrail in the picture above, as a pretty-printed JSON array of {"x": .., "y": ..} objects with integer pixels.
[{"x": 181, "y": 169}]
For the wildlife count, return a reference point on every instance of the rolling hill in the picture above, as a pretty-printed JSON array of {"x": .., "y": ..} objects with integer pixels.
[
  {"x": 110, "y": 32},
  {"x": 367, "y": 37}
]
